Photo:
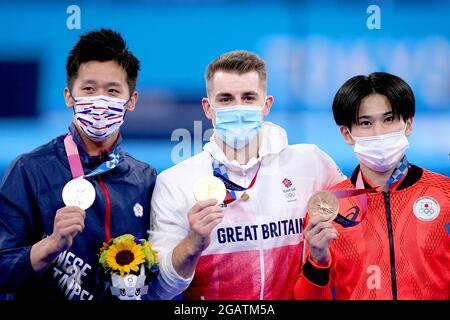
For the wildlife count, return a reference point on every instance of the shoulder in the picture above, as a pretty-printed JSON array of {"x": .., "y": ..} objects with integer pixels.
[
  {"x": 305, "y": 150},
  {"x": 139, "y": 165},
  {"x": 343, "y": 185},
  {"x": 40, "y": 156},
  {"x": 28, "y": 167},
  {"x": 43, "y": 152},
  {"x": 140, "y": 173},
  {"x": 307, "y": 154},
  {"x": 435, "y": 180}
]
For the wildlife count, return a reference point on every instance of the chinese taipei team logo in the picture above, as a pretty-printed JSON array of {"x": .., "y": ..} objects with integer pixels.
[{"x": 426, "y": 209}]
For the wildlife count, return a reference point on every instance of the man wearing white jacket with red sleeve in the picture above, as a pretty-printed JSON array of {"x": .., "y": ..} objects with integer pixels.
[{"x": 251, "y": 245}]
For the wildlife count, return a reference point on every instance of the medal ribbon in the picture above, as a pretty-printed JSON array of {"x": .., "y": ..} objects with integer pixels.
[
  {"x": 220, "y": 172},
  {"x": 75, "y": 163},
  {"x": 400, "y": 170}
]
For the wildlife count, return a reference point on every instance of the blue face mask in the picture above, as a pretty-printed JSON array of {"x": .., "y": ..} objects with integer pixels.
[{"x": 238, "y": 125}]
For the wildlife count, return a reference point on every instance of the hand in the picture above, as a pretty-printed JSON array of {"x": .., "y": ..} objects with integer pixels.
[
  {"x": 318, "y": 234},
  {"x": 69, "y": 221},
  {"x": 203, "y": 217}
]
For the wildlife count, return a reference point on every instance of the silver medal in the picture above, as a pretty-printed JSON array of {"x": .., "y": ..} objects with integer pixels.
[{"x": 79, "y": 192}]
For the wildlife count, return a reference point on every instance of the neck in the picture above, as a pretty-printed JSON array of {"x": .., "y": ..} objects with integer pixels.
[
  {"x": 378, "y": 178},
  {"x": 95, "y": 148},
  {"x": 242, "y": 156}
]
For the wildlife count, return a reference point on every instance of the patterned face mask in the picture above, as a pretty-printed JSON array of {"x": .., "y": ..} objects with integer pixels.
[{"x": 99, "y": 116}]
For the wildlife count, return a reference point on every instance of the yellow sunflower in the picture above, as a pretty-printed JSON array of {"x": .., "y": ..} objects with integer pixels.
[{"x": 124, "y": 256}]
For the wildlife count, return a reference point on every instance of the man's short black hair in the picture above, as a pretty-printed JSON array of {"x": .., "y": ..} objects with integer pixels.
[
  {"x": 102, "y": 45},
  {"x": 348, "y": 99}
]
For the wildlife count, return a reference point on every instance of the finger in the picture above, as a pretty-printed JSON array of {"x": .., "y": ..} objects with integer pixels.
[
  {"x": 61, "y": 222},
  {"x": 311, "y": 231},
  {"x": 207, "y": 211},
  {"x": 211, "y": 225},
  {"x": 317, "y": 218},
  {"x": 195, "y": 217},
  {"x": 71, "y": 231},
  {"x": 200, "y": 205},
  {"x": 314, "y": 238},
  {"x": 320, "y": 226},
  {"x": 64, "y": 223},
  {"x": 323, "y": 234},
  {"x": 71, "y": 210},
  {"x": 324, "y": 242},
  {"x": 210, "y": 217}
]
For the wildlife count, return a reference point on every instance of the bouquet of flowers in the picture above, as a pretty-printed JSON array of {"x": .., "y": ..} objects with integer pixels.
[{"x": 127, "y": 259}]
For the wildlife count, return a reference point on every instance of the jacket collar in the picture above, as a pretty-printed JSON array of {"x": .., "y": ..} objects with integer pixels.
[
  {"x": 274, "y": 140},
  {"x": 92, "y": 162},
  {"x": 412, "y": 176}
]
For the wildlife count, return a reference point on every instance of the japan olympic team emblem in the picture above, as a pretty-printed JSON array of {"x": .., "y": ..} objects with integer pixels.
[{"x": 426, "y": 209}]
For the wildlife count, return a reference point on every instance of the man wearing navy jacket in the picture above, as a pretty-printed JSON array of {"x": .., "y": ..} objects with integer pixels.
[{"x": 49, "y": 247}]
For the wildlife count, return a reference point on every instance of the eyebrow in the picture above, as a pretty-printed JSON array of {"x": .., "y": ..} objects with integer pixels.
[
  {"x": 371, "y": 117},
  {"x": 227, "y": 94},
  {"x": 108, "y": 84}
]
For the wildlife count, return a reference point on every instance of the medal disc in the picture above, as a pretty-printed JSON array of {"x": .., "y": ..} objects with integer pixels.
[
  {"x": 210, "y": 187},
  {"x": 323, "y": 203},
  {"x": 79, "y": 192}
]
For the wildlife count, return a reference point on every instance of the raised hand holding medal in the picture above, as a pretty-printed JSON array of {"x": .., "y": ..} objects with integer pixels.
[
  {"x": 323, "y": 207},
  {"x": 206, "y": 213}
]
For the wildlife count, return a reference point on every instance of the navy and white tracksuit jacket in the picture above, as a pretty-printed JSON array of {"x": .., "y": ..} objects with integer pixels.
[{"x": 30, "y": 195}]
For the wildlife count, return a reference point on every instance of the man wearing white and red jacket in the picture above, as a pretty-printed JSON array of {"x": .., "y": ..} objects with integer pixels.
[{"x": 251, "y": 248}]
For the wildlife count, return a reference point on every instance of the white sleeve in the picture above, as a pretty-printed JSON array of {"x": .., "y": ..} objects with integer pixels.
[
  {"x": 330, "y": 174},
  {"x": 169, "y": 225}
]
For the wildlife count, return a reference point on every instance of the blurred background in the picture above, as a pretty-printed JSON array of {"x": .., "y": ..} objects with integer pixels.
[{"x": 310, "y": 47}]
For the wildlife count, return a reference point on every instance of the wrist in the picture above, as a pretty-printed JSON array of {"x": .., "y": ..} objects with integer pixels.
[
  {"x": 321, "y": 259},
  {"x": 320, "y": 264},
  {"x": 43, "y": 254},
  {"x": 195, "y": 245},
  {"x": 51, "y": 246},
  {"x": 316, "y": 274}
]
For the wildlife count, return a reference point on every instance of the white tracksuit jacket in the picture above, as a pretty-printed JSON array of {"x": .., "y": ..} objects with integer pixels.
[{"x": 255, "y": 253}]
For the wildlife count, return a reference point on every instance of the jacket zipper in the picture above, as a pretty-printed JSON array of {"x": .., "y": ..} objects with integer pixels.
[
  {"x": 387, "y": 204},
  {"x": 107, "y": 209}
]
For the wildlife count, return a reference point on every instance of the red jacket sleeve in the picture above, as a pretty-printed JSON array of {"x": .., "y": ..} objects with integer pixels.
[{"x": 314, "y": 282}]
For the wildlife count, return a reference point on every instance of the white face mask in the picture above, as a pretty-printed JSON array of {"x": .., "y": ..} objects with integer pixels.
[
  {"x": 381, "y": 153},
  {"x": 99, "y": 116}
]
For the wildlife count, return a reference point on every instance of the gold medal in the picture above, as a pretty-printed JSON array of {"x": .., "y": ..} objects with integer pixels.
[
  {"x": 323, "y": 203},
  {"x": 210, "y": 187}
]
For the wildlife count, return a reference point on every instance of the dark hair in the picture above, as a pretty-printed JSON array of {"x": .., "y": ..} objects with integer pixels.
[
  {"x": 237, "y": 61},
  {"x": 102, "y": 45},
  {"x": 348, "y": 99}
]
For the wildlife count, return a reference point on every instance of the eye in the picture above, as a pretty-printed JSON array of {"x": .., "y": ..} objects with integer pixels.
[
  {"x": 365, "y": 123},
  {"x": 113, "y": 91},
  {"x": 88, "y": 89},
  {"x": 224, "y": 100},
  {"x": 389, "y": 119},
  {"x": 122, "y": 292},
  {"x": 249, "y": 99},
  {"x": 138, "y": 291}
]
